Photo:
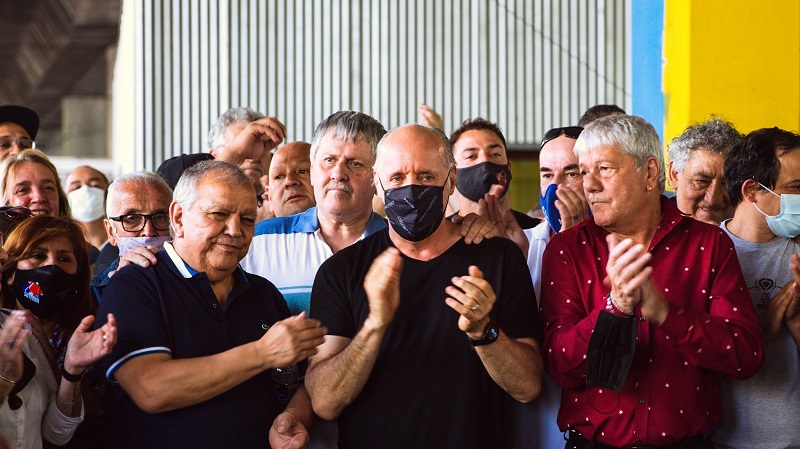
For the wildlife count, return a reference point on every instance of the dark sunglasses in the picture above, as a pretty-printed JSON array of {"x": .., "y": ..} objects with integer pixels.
[
  {"x": 570, "y": 131},
  {"x": 15, "y": 212}
]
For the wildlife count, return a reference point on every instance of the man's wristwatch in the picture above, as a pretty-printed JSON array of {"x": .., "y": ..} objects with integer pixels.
[{"x": 489, "y": 336}]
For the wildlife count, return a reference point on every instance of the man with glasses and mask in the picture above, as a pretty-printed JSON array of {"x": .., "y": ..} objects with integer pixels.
[
  {"x": 454, "y": 325},
  {"x": 137, "y": 223},
  {"x": 762, "y": 174},
  {"x": 18, "y": 128},
  {"x": 644, "y": 309}
]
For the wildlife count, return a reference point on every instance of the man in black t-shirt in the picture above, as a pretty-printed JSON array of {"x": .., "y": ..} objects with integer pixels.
[{"x": 426, "y": 334}]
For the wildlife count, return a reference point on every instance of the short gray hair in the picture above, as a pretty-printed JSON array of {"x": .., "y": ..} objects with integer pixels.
[
  {"x": 349, "y": 125},
  {"x": 445, "y": 149},
  {"x": 715, "y": 135},
  {"x": 228, "y": 118},
  {"x": 629, "y": 134},
  {"x": 138, "y": 178},
  {"x": 186, "y": 190}
]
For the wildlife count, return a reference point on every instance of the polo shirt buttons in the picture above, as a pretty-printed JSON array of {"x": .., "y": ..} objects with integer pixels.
[
  {"x": 641, "y": 401},
  {"x": 214, "y": 305}
]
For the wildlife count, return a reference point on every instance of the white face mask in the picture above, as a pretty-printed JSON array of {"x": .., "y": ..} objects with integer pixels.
[
  {"x": 126, "y": 243},
  {"x": 87, "y": 203}
]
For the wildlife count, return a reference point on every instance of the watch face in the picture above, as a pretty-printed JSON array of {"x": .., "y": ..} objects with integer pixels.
[{"x": 492, "y": 332}]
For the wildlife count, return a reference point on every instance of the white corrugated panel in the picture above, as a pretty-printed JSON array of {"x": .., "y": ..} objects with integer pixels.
[{"x": 529, "y": 65}]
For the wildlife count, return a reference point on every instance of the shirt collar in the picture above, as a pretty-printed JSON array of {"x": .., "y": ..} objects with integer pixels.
[
  {"x": 180, "y": 264},
  {"x": 308, "y": 222},
  {"x": 541, "y": 231},
  {"x": 671, "y": 217},
  {"x": 188, "y": 272}
]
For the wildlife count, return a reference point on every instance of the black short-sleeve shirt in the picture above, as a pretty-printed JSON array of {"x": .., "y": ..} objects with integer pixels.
[
  {"x": 428, "y": 387},
  {"x": 159, "y": 310}
]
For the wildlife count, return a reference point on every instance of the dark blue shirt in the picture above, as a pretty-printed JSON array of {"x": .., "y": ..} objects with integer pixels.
[{"x": 161, "y": 310}]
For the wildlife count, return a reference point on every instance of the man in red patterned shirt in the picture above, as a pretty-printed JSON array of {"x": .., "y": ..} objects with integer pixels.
[{"x": 644, "y": 309}]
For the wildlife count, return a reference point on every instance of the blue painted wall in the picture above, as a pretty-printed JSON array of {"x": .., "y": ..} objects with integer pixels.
[{"x": 647, "y": 31}]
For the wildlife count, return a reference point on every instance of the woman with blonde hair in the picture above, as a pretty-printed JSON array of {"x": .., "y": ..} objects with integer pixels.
[{"x": 31, "y": 180}]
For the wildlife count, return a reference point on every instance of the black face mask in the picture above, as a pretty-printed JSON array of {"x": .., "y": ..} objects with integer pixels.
[
  {"x": 474, "y": 182},
  {"x": 414, "y": 211},
  {"x": 45, "y": 291},
  {"x": 610, "y": 353}
]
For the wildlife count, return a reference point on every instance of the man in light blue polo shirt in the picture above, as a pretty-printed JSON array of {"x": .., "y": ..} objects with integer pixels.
[{"x": 289, "y": 250}]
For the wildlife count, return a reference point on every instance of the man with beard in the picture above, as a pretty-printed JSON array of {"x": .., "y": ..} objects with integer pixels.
[{"x": 481, "y": 161}]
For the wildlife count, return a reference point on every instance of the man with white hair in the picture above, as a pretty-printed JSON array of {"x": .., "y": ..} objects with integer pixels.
[
  {"x": 644, "y": 309},
  {"x": 137, "y": 223},
  {"x": 198, "y": 336}
]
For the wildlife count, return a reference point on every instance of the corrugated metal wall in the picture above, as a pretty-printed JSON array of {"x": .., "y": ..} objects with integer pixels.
[{"x": 529, "y": 65}]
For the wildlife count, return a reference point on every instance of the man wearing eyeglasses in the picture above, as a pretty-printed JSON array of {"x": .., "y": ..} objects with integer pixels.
[
  {"x": 137, "y": 225},
  {"x": 18, "y": 128}
]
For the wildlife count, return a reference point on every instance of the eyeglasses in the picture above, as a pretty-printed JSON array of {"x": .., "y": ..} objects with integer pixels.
[
  {"x": 570, "y": 131},
  {"x": 136, "y": 222},
  {"x": 15, "y": 212},
  {"x": 7, "y": 142}
]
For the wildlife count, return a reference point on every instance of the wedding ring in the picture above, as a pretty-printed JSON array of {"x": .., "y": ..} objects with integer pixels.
[{"x": 473, "y": 308}]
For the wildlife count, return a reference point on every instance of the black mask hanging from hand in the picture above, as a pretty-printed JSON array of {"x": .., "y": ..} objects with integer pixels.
[
  {"x": 474, "y": 182},
  {"x": 610, "y": 352},
  {"x": 45, "y": 291}
]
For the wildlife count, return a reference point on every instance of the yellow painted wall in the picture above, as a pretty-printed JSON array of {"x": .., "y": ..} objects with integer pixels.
[
  {"x": 524, "y": 190},
  {"x": 735, "y": 58}
]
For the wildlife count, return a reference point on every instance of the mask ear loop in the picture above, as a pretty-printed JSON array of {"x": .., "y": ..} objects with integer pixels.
[{"x": 770, "y": 191}]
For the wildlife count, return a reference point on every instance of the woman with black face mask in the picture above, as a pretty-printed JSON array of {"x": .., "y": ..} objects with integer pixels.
[{"x": 45, "y": 275}]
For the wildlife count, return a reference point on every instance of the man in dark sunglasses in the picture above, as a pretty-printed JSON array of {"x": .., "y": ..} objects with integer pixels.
[{"x": 18, "y": 127}]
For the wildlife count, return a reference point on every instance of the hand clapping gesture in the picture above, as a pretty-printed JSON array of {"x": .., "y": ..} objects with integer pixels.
[{"x": 86, "y": 347}]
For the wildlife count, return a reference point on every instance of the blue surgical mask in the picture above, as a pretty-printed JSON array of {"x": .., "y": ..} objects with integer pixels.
[
  {"x": 548, "y": 202},
  {"x": 787, "y": 223}
]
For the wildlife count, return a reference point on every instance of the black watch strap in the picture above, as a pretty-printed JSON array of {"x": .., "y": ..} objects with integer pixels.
[
  {"x": 69, "y": 377},
  {"x": 489, "y": 336}
]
